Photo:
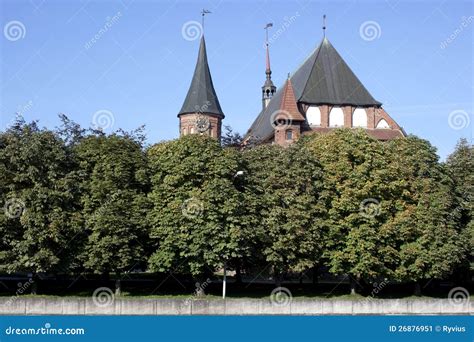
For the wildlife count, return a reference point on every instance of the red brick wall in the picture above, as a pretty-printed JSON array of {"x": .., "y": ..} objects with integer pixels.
[
  {"x": 348, "y": 110},
  {"x": 188, "y": 121},
  {"x": 374, "y": 115},
  {"x": 325, "y": 109},
  {"x": 370, "y": 117},
  {"x": 280, "y": 133},
  {"x": 380, "y": 114}
]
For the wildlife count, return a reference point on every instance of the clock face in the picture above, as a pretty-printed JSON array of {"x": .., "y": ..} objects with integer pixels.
[{"x": 202, "y": 124}]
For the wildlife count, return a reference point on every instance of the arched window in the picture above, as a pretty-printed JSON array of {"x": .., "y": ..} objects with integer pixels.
[
  {"x": 184, "y": 131},
  {"x": 191, "y": 131},
  {"x": 382, "y": 124},
  {"x": 289, "y": 134},
  {"x": 313, "y": 116},
  {"x": 336, "y": 117},
  {"x": 359, "y": 118}
]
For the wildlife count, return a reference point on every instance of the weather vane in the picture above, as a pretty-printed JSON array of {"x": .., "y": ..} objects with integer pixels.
[
  {"x": 203, "y": 13},
  {"x": 266, "y": 31},
  {"x": 324, "y": 26}
]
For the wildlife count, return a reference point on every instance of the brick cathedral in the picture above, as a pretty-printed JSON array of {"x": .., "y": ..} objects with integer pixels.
[{"x": 322, "y": 94}]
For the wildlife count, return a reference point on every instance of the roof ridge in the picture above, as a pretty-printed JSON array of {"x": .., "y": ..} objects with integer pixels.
[{"x": 317, "y": 51}]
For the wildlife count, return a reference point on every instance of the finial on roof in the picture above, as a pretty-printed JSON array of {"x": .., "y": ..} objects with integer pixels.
[
  {"x": 288, "y": 75},
  {"x": 324, "y": 25},
  {"x": 268, "y": 89},
  {"x": 203, "y": 13},
  {"x": 268, "y": 69},
  {"x": 266, "y": 29}
]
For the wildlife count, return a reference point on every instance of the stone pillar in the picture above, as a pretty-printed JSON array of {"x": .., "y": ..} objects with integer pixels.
[
  {"x": 370, "y": 117},
  {"x": 324, "y": 109}
]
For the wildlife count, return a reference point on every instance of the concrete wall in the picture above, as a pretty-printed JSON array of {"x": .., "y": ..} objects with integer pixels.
[{"x": 86, "y": 306}]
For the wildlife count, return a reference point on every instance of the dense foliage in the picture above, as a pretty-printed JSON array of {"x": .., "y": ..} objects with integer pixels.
[
  {"x": 40, "y": 200},
  {"x": 197, "y": 221},
  {"x": 78, "y": 200},
  {"x": 392, "y": 210},
  {"x": 461, "y": 165},
  {"x": 284, "y": 198},
  {"x": 114, "y": 182}
]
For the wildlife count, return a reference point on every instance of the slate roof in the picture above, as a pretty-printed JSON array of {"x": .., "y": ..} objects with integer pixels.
[
  {"x": 201, "y": 95},
  {"x": 331, "y": 81},
  {"x": 324, "y": 78}
]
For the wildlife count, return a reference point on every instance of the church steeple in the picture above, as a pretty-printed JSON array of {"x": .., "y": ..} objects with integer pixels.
[
  {"x": 268, "y": 89},
  {"x": 201, "y": 112}
]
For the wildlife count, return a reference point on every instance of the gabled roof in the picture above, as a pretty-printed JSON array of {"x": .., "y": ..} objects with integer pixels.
[
  {"x": 201, "y": 95},
  {"x": 323, "y": 78}
]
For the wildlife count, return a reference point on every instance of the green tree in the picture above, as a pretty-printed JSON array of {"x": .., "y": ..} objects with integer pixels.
[
  {"x": 197, "y": 220},
  {"x": 231, "y": 138},
  {"x": 359, "y": 195},
  {"x": 114, "y": 185},
  {"x": 461, "y": 167},
  {"x": 39, "y": 196},
  {"x": 428, "y": 218},
  {"x": 283, "y": 197},
  {"x": 392, "y": 212}
]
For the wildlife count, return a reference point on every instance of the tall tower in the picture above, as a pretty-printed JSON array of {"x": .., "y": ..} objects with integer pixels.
[
  {"x": 268, "y": 89},
  {"x": 201, "y": 112}
]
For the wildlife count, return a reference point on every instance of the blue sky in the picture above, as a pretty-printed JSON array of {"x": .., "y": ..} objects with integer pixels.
[{"x": 417, "y": 59}]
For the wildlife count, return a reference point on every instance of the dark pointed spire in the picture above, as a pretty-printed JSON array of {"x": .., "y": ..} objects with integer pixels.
[{"x": 201, "y": 97}]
